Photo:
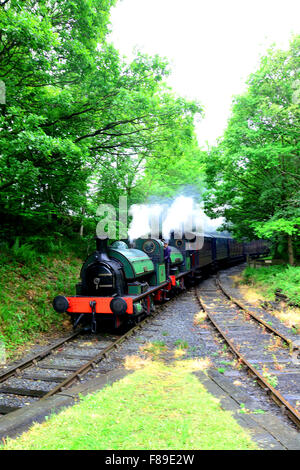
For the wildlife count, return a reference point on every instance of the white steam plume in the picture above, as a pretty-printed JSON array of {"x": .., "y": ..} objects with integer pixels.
[
  {"x": 146, "y": 220},
  {"x": 184, "y": 214}
]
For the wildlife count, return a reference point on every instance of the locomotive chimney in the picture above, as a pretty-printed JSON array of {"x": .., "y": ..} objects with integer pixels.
[{"x": 101, "y": 244}]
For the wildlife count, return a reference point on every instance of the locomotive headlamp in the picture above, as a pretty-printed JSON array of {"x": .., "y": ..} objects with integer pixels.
[
  {"x": 118, "y": 305},
  {"x": 60, "y": 304}
]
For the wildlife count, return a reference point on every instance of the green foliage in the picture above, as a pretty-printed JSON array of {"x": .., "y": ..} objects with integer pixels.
[
  {"x": 25, "y": 253},
  {"x": 155, "y": 348},
  {"x": 253, "y": 174},
  {"x": 181, "y": 344},
  {"x": 271, "y": 379},
  {"x": 281, "y": 225},
  {"x": 175, "y": 166},
  {"x": 79, "y": 126},
  {"x": 284, "y": 277},
  {"x": 245, "y": 410},
  {"x": 44, "y": 51},
  {"x": 29, "y": 280}
]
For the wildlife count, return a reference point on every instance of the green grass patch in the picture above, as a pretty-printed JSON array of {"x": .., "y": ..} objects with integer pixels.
[
  {"x": 271, "y": 278},
  {"x": 29, "y": 280},
  {"x": 154, "y": 348},
  {"x": 181, "y": 344},
  {"x": 157, "y": 407}
]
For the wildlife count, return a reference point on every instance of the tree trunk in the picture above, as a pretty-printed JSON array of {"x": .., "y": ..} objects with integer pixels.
[
  {"x": 81, "y": 226},
  {"x": 290, "y": 250}
]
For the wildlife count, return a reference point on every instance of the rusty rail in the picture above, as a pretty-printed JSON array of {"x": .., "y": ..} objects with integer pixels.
[
  {"x": 34, "y": 359},
  {"x": 293, "y": 414}
]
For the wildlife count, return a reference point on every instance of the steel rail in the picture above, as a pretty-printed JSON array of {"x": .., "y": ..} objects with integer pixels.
[
  {"x": 33, "y": 360},
  {"x": 241, "y": 305},
  {"x": 82, "y": 370},
  {"x": 293, "y": 414},
  {"x": 85, "y": 368}
]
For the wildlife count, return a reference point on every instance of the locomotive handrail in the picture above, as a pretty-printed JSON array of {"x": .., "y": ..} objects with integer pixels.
[{"x": 160, "y": 286}]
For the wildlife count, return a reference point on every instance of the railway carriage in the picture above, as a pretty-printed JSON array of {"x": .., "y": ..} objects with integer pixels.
[
  {"x": 236, "y": 249},
  {"x": 198, "y": 248},
  {"x": 221, "y": 249},
  {"x": 255, "y": 247},
  {"x": 122, "y": 283}
]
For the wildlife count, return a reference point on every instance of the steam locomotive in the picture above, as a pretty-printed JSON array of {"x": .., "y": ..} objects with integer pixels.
[{"x": 122, "y": 283}]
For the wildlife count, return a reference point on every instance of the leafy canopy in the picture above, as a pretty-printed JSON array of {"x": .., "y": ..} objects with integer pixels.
[
  {"x": 253, "y": 174},
  {"x": 79, "y": 125}
]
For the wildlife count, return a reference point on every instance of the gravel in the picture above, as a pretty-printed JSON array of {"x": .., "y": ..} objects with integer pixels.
[{"x": 174, "y": 324}]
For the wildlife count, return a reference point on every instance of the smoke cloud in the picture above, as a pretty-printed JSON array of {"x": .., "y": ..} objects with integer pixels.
[{"x": 183, "y": 214}]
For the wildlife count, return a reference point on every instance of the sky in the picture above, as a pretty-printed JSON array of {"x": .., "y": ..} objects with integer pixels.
[{"x": 211, "y": 45}]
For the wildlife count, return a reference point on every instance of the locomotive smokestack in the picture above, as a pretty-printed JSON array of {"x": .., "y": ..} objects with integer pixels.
[
  {"x": 101, "y": 244},
  {"x": 160, "y": 223},
  {"x": 101, "y": 247}
]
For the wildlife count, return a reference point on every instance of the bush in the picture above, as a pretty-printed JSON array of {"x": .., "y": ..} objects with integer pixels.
[
  {"x": 24, "y": 253},
  {"x": 30, "y": 278},
  {"x": 283, "y": 277}
]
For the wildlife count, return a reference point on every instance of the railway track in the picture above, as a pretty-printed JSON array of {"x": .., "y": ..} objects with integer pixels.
[
  {"x": 265, "y": 351},
  {"x": 57, "y": 367},
  {"x": 269, "y": 355}
]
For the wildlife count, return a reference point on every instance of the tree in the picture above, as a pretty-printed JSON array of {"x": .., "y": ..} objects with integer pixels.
[
  {"x": 175, "y": 167},
  {"x": 46, "y": 48},
  {"x": 78, "y": 124},
  {"x": 253, "y": 174}
]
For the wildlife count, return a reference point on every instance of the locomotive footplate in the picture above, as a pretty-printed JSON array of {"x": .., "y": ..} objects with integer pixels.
[{"x": 103, "y": 305}]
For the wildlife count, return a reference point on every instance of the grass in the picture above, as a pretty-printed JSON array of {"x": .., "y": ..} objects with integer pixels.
[
  {"x": 263, "y": 282},
  {"x": 154, "y": 348},
  {"x": 158, "y": 406},
  {"x": 271, "y": 278},
  {"x": 181, "y": 344},
  {"x": 29, "y": 280},
  {"x": 271, "y": 379}
]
